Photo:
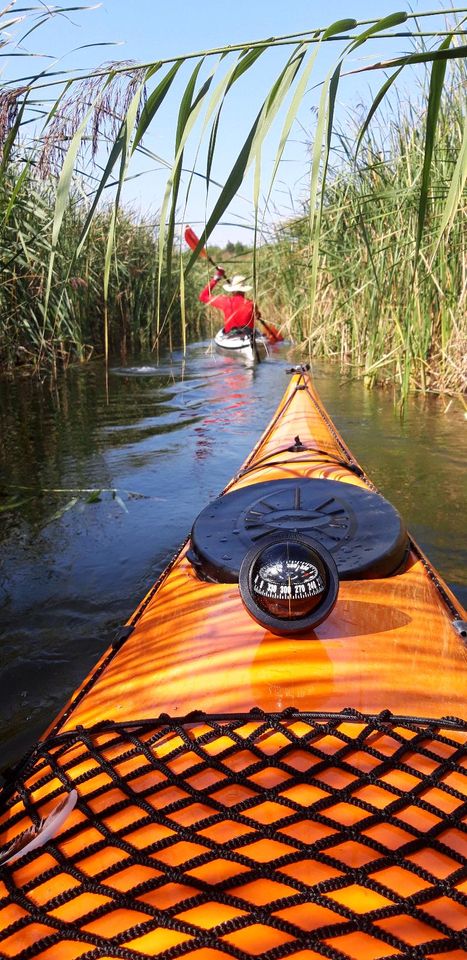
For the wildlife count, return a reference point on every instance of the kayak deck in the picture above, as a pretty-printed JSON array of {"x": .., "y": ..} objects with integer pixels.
[
  {"x": 388, "y": 644},
  {"x": 246, "y": 795},
  {"x": 272, "y": 836}
]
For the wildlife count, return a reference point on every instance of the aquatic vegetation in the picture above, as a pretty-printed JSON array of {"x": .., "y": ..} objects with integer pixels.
[
  {"x": 372, "y": 272},
  {"x": 392, "y": 312},
  {"x": 44, "y": 328},
  {"x": 11, "y": 501}
]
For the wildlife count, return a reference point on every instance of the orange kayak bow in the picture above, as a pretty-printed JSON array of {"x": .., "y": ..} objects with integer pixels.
[{"x": 271, "y": 759}]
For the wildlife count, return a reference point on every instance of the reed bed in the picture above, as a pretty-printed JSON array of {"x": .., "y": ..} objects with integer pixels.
[
  {"x": 391, "y": 318},
  {"x": 374, "y": 271},
  {"x": 72, "y": 327}
]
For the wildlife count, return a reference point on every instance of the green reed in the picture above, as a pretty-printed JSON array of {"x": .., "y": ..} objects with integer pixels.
[
  {"x": 373, "y": 271},
  {"x": 72, "y": 327},
  {"x": 389, "y": 315}
]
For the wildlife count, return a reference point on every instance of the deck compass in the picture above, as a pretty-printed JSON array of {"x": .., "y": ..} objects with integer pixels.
[{"x": 289, "y": 583}]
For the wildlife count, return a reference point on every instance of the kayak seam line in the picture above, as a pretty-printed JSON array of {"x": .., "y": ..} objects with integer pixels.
[
  {"x": 330, "y": 425},
  {"x": 435, "y": 580},
  {"x": 263, "y": 439},
  {"x": 426, "y": 564},
  {"x": 147, "y": 599}
]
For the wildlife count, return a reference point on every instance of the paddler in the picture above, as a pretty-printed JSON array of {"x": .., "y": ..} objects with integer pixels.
[{"x": 239, "y": 311}]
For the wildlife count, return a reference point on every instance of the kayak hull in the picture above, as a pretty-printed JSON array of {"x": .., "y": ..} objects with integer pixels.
[
  {"x": 243, "y": 794},
  {"x": 242, "y": 346}
]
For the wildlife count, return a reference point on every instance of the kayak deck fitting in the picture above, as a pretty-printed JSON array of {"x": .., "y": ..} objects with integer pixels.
[{"x": 244, "y": 793}]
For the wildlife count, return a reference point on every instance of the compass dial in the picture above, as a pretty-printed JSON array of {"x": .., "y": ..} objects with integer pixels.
[
  {"x": 289, "y": 583},
  {"x": 286, "y": 580}
]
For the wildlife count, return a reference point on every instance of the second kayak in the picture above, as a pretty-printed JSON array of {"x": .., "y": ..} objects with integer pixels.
[{"x": 250, "y": 347}]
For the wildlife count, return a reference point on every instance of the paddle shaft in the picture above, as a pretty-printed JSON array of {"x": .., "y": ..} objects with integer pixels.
[{"x": 214, "y": 264}]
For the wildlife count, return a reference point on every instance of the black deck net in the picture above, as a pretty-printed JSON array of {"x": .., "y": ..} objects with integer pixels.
[{"x": 298, "y": 835}]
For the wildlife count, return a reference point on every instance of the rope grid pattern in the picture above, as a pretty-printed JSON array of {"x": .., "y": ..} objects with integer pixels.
[{"x": 265, "y": 835}]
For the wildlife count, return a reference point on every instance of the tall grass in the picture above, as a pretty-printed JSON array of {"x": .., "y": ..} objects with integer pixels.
[
  {"x": 83, "y": 275},
  {"x": 391, "y": 317},
  {"x": 72, "y": 328}
]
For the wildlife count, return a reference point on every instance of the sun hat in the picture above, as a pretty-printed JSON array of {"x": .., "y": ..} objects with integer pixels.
[{"x": 237, "y": 285}]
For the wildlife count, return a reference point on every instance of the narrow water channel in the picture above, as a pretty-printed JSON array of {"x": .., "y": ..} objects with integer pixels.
[{"x": 157, "y": 442}]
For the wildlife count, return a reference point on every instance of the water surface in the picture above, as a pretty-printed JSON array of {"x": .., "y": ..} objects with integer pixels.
[{"x": 159, "y": 441}]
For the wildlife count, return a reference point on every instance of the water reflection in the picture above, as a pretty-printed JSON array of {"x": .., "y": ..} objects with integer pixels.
[{"x": 156, "y": 442}]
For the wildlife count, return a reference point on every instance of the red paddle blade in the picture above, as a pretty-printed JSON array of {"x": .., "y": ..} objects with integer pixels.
[
  {"x": 274, "y": 334},
  {"x": 192, "y": 241}
]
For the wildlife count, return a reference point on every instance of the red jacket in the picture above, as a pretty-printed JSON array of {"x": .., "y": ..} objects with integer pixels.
[{"x": 237, "y": 309}]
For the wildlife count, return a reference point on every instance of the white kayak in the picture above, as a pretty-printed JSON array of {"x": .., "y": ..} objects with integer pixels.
[{"x": 253, "y": 348}]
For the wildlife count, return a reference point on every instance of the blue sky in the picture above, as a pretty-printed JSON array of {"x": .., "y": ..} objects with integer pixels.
[{"x": 149, "y": 30}]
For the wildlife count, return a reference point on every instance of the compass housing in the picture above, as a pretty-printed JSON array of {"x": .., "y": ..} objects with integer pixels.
[{"x": 288, "y": 583}]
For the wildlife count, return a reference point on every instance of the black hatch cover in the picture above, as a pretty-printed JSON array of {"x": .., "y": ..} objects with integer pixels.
[{"x": 362, "y": 530}]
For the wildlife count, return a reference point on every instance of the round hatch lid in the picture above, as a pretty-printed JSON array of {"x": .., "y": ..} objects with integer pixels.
[{"x": 363, "y": 531}]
